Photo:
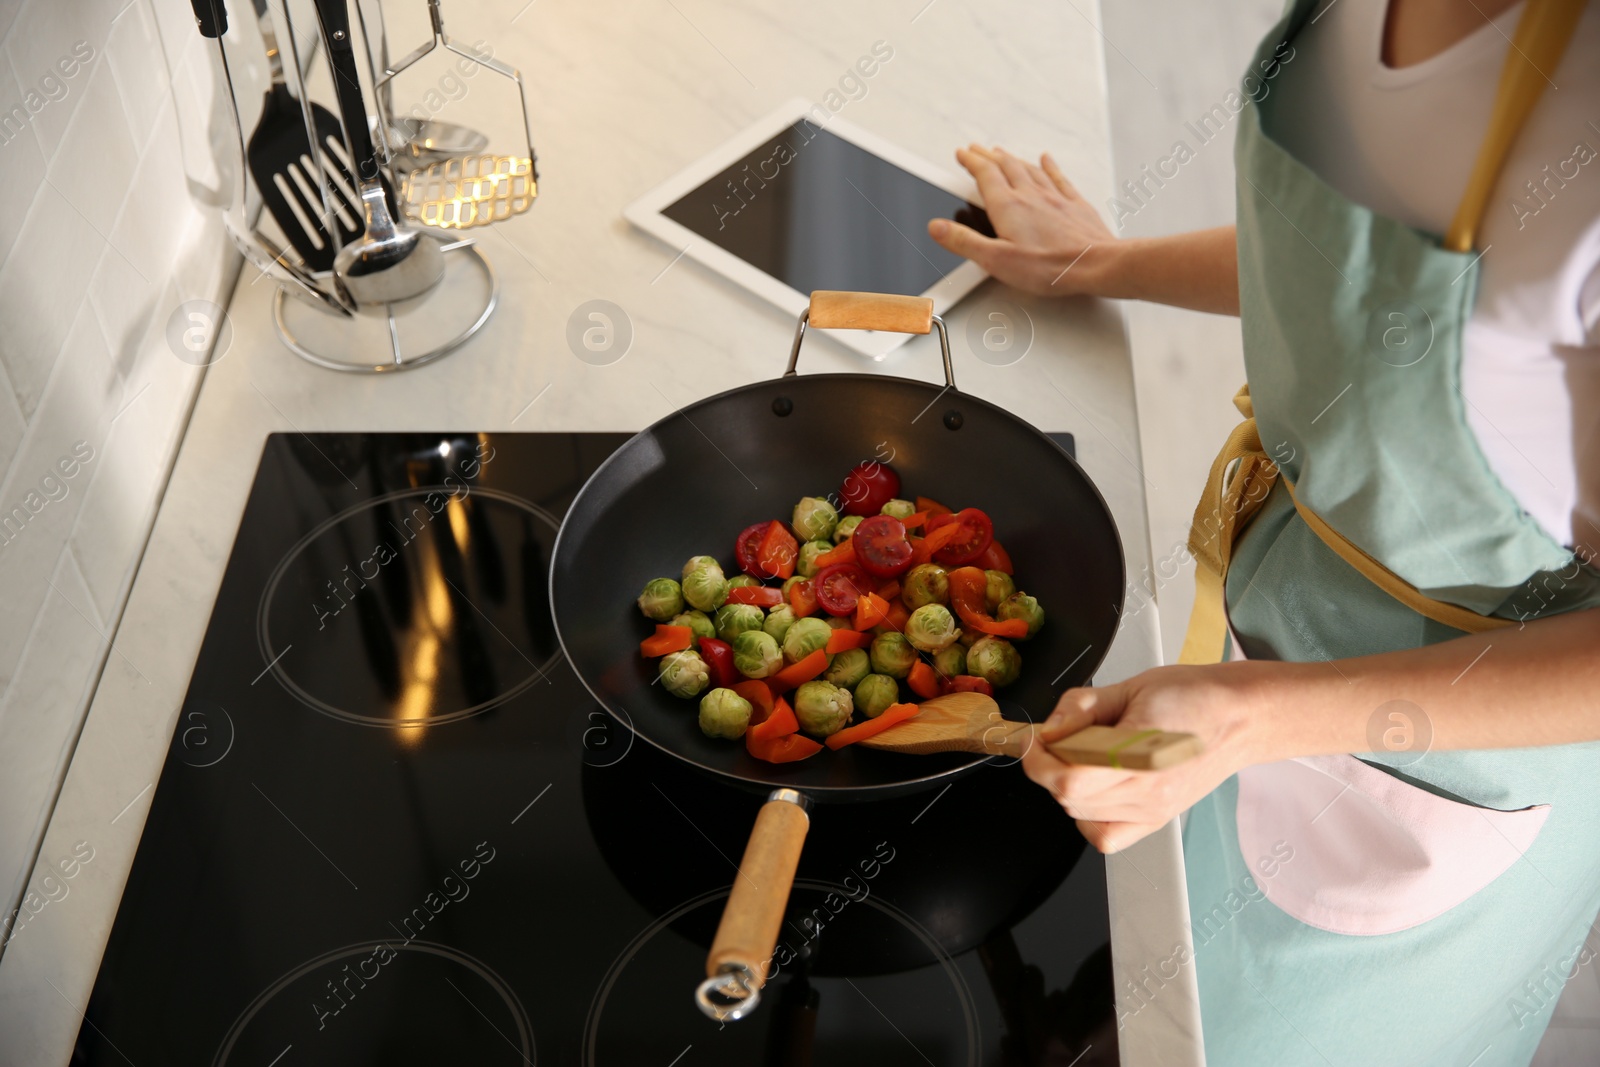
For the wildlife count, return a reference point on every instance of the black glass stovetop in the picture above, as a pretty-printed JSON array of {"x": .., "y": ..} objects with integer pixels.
[{"x": 393, "y": 828}]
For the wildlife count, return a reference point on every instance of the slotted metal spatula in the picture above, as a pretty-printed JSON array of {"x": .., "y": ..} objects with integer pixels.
[{"x": 290, "y": 173}]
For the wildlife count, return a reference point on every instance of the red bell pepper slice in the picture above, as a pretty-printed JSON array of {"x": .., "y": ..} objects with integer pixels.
[
  {"x": 898, "y": 615},
  {"x": 803, "y": 598},
  {"x": 967, "y": 596},
  {"x": 844, "y": 552},
  {"x": 893, "y": 715},
  {"x": 844, "y": 640},
  {"x": 779, "y": 722},
  {"x": 922, "y": 551},
  {"x": 667, "y": 639},
  {"x": 931, "y": 507},
  {"x": 890, "y": 590},
  {"x": 760, "y": 698},
  {"x": 967, "y": 683},
  {"x": 914, "y": 520},
  {"x": 923, "y": 680},
  {"x": 762, "y": 596},
  {"x": 995, "y": 558},
  {"x": 776, "y": 555},
  {"x": 719, "y": 657},
  {"x": 790, "y": 748},
  {"x": 871, "y": 610},
  {"x": 801, "y": 671}
]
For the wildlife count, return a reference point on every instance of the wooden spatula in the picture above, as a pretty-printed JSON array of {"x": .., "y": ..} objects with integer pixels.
[{"x": 971, "y": 722}]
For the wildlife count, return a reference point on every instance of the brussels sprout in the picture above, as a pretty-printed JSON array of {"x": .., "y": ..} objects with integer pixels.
[
  {"x": 848, "y": 668},
  {"x": 898, "y": 509},
  {"x": 814, "y": 519},
  {"x": 696, "y": 562},
  {"x": 779, "y": 619},
  {"x": 932, "y": 628},
  {"x": 804, "y": 637},
  {"x": 698, "y": 621},
  {"x": 724, "y": 713},
  {"x": 892, "y": 654},
  {"x": 684, "y": 674},
  {"x": 741, "y": 579},
  {"x": 927, "y": 583},
  {"x": 806, "y": 565},
  {"x": 734, "y": 619},
  {"x": 999, "y": 587},
  {"x": 662, "y": 599},
  {"x": 847, "y": 527},
  {"x": 995, "y": 660},
  {"x": 836, "y": 622},
  {"x": 875, "y": 693},
  {"x": 822, "y": 707},
  {"x": 1022, "y": 606},
  {"x": 756, "y": 654},
  {"x": 951, "y": 660},
  {"x": 705, "y": 589}
]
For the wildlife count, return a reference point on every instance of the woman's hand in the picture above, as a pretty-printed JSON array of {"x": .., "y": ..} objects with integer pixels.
[
  {"x": 1047, "y": 232},
  {"x": 1219, "y": 704}
]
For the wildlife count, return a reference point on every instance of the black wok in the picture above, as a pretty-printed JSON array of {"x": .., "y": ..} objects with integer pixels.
[{"x": 688, "y": 484}]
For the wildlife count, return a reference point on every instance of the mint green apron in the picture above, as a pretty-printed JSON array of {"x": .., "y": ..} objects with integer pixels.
[{"x": 1383, "y": 453}]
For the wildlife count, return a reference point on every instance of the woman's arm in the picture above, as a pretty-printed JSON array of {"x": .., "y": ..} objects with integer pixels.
[
  {"x": 1534, "y": 685},
  {"x": 1051, "y": 241}
]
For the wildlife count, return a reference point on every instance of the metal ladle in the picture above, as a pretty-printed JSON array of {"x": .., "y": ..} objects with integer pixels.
[{"x": 391, "y": 261}]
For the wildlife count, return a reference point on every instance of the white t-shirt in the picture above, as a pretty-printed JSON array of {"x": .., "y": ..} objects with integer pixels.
[{"x": 1402, "y": 143}]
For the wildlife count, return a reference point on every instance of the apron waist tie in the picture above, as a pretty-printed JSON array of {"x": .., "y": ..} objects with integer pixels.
[{"x": 1226, "y": 507}]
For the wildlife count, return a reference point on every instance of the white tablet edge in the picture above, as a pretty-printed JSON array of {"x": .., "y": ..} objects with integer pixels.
[{"x": 645, "y": 213}]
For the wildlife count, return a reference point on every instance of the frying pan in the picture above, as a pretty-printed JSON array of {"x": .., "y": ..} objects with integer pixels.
[{"x": 686, "y": 485}]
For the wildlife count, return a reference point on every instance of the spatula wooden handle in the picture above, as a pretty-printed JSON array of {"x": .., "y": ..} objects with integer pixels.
[
  {"x": 753, "y": 916},
  {"x": 1129, "y": 748}
]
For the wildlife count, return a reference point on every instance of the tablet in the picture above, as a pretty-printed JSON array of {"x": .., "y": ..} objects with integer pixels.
[{"x": 803, "y": 200}]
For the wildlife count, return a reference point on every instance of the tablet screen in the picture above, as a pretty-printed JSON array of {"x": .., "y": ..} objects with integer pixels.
[{"x": 818, "y": 212}]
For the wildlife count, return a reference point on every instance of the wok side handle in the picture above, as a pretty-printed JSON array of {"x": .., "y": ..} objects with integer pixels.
[
  {"x": 736, "y": 967},
  {"x": 835, "y": 310}
]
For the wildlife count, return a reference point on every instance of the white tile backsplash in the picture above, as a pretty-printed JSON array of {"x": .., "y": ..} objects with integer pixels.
[{"x": 104, "y": 239}]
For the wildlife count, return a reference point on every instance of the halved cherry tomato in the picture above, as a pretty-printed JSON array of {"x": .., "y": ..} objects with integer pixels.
[
  {"x": 803, "y": 598},
  {"x": 844, "y": 640},
  {"x": 776, "y": 555},
  {"x": 871, "y": 610},
  {"x": 923, "y": 680},
  {"x": 968, "y": 586},
  {"x": 995, "y": 558},
  {"x": 840, "y": 586},
  {"x": 719, "y": 658},
  {"x": 967, "y": 683},
  {"x": 868, "y": 487},
  {"x": 665, "y": 640},
  {"x": 844, "y": 552},
  {"x": 760, "y": 698},
  {"x": 748, "y": 545},
  {"x": 762, "y": 596},
  {"x": 790, "y": 748},
  {"x": 977, "y": 533},
  {"x": 881, "y": 546},
  {"x": 799, "y": 672},
  {"x": 893, "y": 715},
  {"x": 931, "y": 507}
]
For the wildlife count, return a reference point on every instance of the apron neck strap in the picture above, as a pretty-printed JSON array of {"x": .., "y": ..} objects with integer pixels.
[{"x": 1541, "y": 37}]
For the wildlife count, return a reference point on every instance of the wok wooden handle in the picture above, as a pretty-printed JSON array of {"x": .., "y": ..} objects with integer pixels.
[
  {"x": 736, "y": 967},
  {"x": 834, "y": 310},
  {"x": 1129, "y": 748}
]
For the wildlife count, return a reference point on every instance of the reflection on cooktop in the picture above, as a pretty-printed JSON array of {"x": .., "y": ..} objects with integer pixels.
[{"x": 393, "y": 828}]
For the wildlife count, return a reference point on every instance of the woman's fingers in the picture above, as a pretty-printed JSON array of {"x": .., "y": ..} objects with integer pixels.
[
  {"x": 1058, "y": 179},
  {"x": 985, "y": 170},
  {"x": 965, "y": 241},
  {"x": 1078, "y": 708},
  {"x": 1111, "y": 837},
  {"x": 1015, "y": 170}
]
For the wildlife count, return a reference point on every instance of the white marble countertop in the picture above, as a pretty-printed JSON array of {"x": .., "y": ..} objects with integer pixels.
[{"x": 623, "y": 98}]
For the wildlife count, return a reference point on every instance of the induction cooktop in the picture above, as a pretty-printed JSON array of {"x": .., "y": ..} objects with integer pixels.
[{"x": 392, "y": 827}]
